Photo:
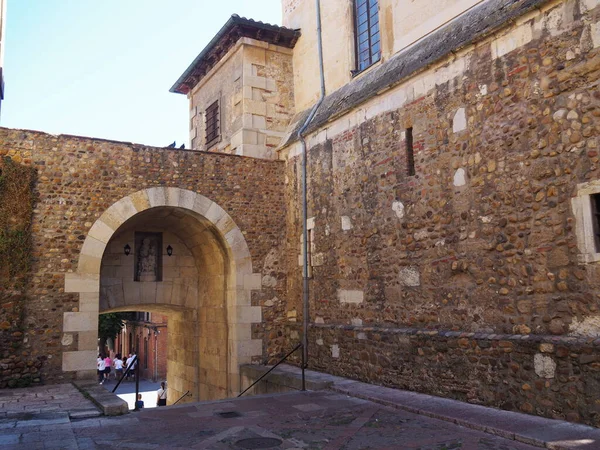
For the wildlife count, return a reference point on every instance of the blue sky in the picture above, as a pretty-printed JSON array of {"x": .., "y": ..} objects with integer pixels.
[{"x": 104, "y": 68}]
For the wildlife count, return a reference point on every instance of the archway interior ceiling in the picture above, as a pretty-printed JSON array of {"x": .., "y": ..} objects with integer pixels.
[{"x": 192, "y": 237}]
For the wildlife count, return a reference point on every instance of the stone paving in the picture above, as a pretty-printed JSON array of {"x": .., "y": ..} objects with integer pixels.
[
  {"x": 299, "y": 420},
  {"x": 58, "y": 398},
  {"x": 373, "y": 417}
]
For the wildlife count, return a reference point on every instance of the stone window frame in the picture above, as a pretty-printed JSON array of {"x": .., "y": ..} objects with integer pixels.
[{"x": 585, "y": 225}]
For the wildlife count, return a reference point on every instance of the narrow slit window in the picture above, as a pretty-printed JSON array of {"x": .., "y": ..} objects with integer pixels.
[
  {"x": 595, "y": 199},
  {"x": 410, "y": 154},
  {"x": 213, "y": 123},
  {"x": 310, "y": 253},
  {"x": 368, "y": 49}
]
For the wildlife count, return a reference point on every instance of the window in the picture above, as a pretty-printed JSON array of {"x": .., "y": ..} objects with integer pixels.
[
  {"x": 410, "y": 153},
  {"x": 212, "y": 124},
  {"x": 368, "y": 49},
  {"x": 595, "y": 199},
  {"x": 586, "y": 210}
]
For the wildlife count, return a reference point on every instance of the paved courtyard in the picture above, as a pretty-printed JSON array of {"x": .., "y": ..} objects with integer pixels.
[
  {"x": 309, "y": 420},
  {"x": 62, "y": 417}
]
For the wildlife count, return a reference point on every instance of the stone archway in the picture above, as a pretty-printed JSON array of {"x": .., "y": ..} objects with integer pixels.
[{"x": 239, "y": 279}]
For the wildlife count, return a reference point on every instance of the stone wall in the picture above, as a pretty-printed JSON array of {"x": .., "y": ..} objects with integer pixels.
[
  {"x": 80, "y": 178},
  {"x": 556, "y": 377},
  {"x": 18, "y": 368},
  {"x": 482, "y": 239}
]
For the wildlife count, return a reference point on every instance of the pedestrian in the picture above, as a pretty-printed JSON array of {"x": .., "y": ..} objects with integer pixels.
[
  {"x": 118, "y": 364},
  {"x": 140, "y": 403},
  {"x": 161, "y": 395},
  {"x": 134, "y": 361},
  {"x": 101, "y": 366},
  {"x": 128, "y": 366},
  {"x": 107, "y": 366}
]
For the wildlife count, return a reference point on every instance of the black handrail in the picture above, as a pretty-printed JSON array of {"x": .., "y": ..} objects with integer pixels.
[
  {"x": 188, "y": 392},
  {"x": 271, "y": 369},
  {"x": 127, "y": 369}
]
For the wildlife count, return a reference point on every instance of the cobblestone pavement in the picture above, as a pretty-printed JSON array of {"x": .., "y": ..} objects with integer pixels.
[{"x": 300, "y": 420}]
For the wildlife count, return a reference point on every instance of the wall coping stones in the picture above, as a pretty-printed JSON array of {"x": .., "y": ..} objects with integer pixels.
[{"x": 535, "y": 338}]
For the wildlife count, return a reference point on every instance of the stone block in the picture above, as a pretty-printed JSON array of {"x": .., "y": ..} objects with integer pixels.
[
  {"x": 172, "y": 196},
  {"x": 225, "y": 224},
  {"x": 79, "y": 321},
  {"x": 512, "y": 40},
  {"x": 101, "y": 231},
  {"x": 459, "y": 122},
  {"x": 187, "y": 199},
  {"x": 258, "y": 122},
  {"x": 89, "y": 302},
  {"x": 191, "y": 297},
  {"x": 186, "y": 261},
  {"x": 148, "y": 292},
  {"x": 237, "y": 139},
  {"x": 157, "y": 196},
  {"x": 164, "y": 291},
  {"x": 88, "y": 340},
  {"x": 409, "y": 276},
  {"x": 124, "y": 208},
  {"x": 202, "y": 205},
  {"x": 140, "y": 200},
  {"x": 240, "y": 332},
  {"x": 93, "y": 247},
  {"x": 171, "y": 272},
  {"x": 252, "y": 281},
  {"x": 350, "y": 296},
  {"x": 255, "y": 82},
  {"x": 244, "y": 314},
  {"x": 346, "y": 223},
  {"x": 76, "y": 282},
  {"x": 132, "y": 292},
  {"x": 89, "y": 264},
  {"x": 254, "y": 55},
  {"x": 271, "y": 85},
  {"x": 257, "y": 107},
  {"x": 79, "y": 360},
  {"x": 245, "y": 349},
  {"x": 215, "y": 213}
]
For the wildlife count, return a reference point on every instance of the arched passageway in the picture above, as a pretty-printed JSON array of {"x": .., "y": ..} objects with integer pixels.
[{"x": 203, "y": 287}]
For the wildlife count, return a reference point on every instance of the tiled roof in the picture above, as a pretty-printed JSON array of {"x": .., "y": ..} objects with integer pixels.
[{"x": 234, "y": 29}]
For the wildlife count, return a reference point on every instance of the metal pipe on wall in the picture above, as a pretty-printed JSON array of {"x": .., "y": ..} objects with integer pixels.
[{"x": 311, "y": 115}]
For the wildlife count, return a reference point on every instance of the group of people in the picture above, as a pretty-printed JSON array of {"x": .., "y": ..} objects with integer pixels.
[
  {"x": 119, "y": 364},
  {"x": 161, "y": 397},
  {"x": 106, "y": 364}
]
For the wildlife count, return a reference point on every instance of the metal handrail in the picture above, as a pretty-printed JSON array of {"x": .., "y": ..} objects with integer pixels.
[
  {"x": 188, "y": 392},
  {"x": 127, "y": 370},
  {"x": 271, "y": 369}
]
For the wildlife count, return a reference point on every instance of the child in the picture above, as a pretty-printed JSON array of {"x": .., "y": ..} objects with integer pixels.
[{"x": 140, "y": 403}]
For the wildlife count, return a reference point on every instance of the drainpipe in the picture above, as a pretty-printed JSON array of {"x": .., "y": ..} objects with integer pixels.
[{"x": 310, "y": 117}]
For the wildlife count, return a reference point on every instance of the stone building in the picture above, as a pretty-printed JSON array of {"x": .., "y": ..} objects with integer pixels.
[{"x": 452, "y": 197}]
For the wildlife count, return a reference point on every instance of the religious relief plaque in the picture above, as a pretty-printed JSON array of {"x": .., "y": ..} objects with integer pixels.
[{"x": 148, "y": 257}]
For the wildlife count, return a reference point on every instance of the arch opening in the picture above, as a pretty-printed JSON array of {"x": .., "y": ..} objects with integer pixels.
[{"x": 198, "y": 274}]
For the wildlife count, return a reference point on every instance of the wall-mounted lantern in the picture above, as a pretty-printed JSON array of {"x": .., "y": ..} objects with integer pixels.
[
  {"x": 127, "y": 249},
  {"x": 170, "y": 250}
]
